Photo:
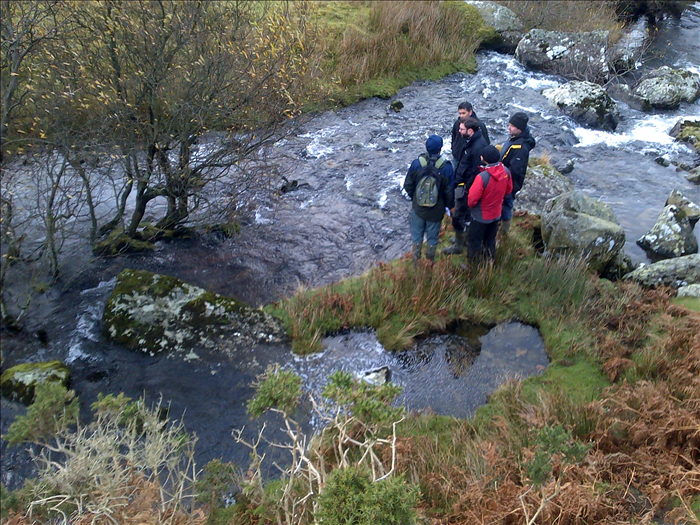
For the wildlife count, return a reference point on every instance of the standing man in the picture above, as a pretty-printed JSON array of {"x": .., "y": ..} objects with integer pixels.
[
  {"x": 465, "y": 111},
  {"x": 467, "y": 169},
  {"x": 515, "y": 155},
  {"x": 486, "y": 202},
  {"x": 429, "y": 185}
]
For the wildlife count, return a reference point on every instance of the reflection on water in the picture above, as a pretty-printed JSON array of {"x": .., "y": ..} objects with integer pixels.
[{"x": 449, "y": 374}]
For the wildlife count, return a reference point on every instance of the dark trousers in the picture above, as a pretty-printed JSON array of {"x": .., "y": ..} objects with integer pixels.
[
  {"x": 481, "y": 239},
  {"x": 461, "y": 214}
]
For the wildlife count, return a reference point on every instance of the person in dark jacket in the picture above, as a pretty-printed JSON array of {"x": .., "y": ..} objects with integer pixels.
[
  {"x": 426, "y": 220},
  {"x": 515, "y": 155},
  {"x": 467, "y": 169},
  {"x": 485, "y": 200},
  {"x": 465, "y": 110}
]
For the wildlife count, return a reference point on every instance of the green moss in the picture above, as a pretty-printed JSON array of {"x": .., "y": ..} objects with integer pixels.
[
  {"x": 690, "y": 133},
  {"x": 19, "y": 382},
  {"x": 118, "y": 243}
]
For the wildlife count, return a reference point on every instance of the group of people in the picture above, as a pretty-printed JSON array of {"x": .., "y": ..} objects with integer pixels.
[{"x": 477, "y": 189}]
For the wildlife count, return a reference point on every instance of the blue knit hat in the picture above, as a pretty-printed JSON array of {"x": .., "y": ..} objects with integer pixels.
[{"x": 433, "y": 145}]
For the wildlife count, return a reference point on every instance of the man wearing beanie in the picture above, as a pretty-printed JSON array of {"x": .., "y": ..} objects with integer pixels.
[
  {"x": 515, "y": 155},
  {"x": 429, "y": 185},
  {"x": 486, "y": 201}
]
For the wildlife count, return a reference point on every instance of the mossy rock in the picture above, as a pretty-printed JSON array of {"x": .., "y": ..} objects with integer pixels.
[
  {"x": 154, "y": 313},
  {"x": 19, "y": 382},
  {"x": 228, "y": 229},
  {"x": 118, "y": 243},
  {"x": 687, "y": 131}
]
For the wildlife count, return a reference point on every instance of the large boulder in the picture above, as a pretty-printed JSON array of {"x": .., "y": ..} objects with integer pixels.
[
  {"x": 671, "y": 236},
  {"x": 508, "y": 28},
  {"x": 587, "y": 103},
  {"x": 666, "y": 88},
  {"x": 676, "y": 273},
  {"x": 572, "y": 55},
  {"x": 688, "y": 207},
  {"x": 581, "y": 226},
  {"x": 543, "y": 182},
  {"x": 687, "y": 131},
  {"x": 155, "y": 313},
  {"x": 19, "y": 382}
]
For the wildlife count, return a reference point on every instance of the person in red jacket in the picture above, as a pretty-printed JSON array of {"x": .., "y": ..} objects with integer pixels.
[{"x": 485, "y": 201}]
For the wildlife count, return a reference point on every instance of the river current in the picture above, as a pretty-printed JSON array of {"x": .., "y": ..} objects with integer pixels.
[{"x": 348, "y": 213}]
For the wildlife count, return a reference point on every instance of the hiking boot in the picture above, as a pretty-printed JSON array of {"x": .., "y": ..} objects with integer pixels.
[
  {"x": 430, "y": 252},
  {"x": 416, "y": 253},
  {"x": 458, "y": 246},
  {"x": 503, "y": 227}
]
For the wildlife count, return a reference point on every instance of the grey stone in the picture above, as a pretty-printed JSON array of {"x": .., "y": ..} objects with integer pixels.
[
  {"x": 625, "y": 54},
  {"x": 676, "y": 273},
  {"x": 581, "y": 226},
  {"x": 155, "y": 313},
  {"x": 587, "y": 103},
  {"x": 671, "y": 236},
  {"x": 691, "y": 290},
  {"x": 507, "y": 26},
  {"x": 577, "y": 56},
  {"x": 666, "y": 88},
  {"x": 688, "y": 207},
  {"x": 542, "y": 182}
]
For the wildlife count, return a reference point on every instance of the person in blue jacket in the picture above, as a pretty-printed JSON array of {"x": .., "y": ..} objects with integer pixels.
[{"x": 430, "y": 197}]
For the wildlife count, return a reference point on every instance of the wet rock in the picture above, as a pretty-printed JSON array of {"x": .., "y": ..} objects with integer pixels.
[
  {"x": 666, "y": 88},
  {"x": 687, "y": 131},
  {"x": 691, "y": 290},
  {"x": 396, "y": 105},
  {"x": 671, "y": 236},
  {"x": 543, "y": 182},
  {"x": 618, "y": 267},
  {"x": 691, "y": 210},
  {"x": 662, "y": 161},
  {"x": 377, "y": 377},
  {"x": 625, "y": 54},
  {"x": 676, "y": 273},
  {"x": 694, "y": 175},
  {"x": 508, "y": 28},
  {"x": 581, "y": 226},
  {"x": 587, "y": 103},
  {"x": 118, "y": 243},
  {"x": 571, "y": 55},
  {"x": 18, "y": 383},
  {"x": 155, "y": 313}
]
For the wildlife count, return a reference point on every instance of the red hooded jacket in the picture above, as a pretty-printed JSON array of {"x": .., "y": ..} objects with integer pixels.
[{"x": 487, "y": 191}]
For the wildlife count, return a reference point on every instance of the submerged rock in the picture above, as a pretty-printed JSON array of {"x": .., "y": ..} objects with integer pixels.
[
  {"x": 155, "y": 313},
  {"x": 666, "y": 88},
  {"x": 676, "y": 273},
  {"x": 587, "y": 103},
  {"x": 508, "y": 28},
  {"x": 581, "y": 226},
  {"x": 572, "y": 55},
  {"x": 543, "y": 182},
  {"x": 19, "y": 382},
  {"x": 671, "y": 236}
]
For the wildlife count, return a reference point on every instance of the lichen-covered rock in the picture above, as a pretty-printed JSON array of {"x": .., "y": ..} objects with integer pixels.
[
  {"x": 19, "y": 382},
  {"x": 666, "y": 88},
  {"x": 671, "y": 236},
  {"x": 687, "y": 131},
  {"x": 572, "y": 55},
  {"x": 581, "y": 226},
  {"x": 688, "y": 207},
  {"x": 508, "y": 28},
  {"x": 587, "y": 103},
  {"x": 676, "y": 273},
  {"x": 690, "y": 290},
  {"x": 543, "y": 182},
  {"x": 155, "y": 313},
  {"x": 694, "y": 175}
]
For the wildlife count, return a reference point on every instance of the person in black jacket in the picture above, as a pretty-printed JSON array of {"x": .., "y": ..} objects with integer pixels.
[
  {"x": 467, "y": 170},
  {"x": 465, "y": 111},
  {"x": 427, "y": 220},
  {"x": 515, "y": 155}
]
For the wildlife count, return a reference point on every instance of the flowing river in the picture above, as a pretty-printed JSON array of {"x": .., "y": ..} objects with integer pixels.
[{"x": 348, "y": 213}]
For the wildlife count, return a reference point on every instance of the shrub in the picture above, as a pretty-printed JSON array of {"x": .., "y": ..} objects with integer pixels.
[{"x": 351, "y": 497}]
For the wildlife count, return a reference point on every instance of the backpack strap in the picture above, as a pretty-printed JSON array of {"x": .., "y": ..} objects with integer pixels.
[{"x": 423, "y": 159}]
